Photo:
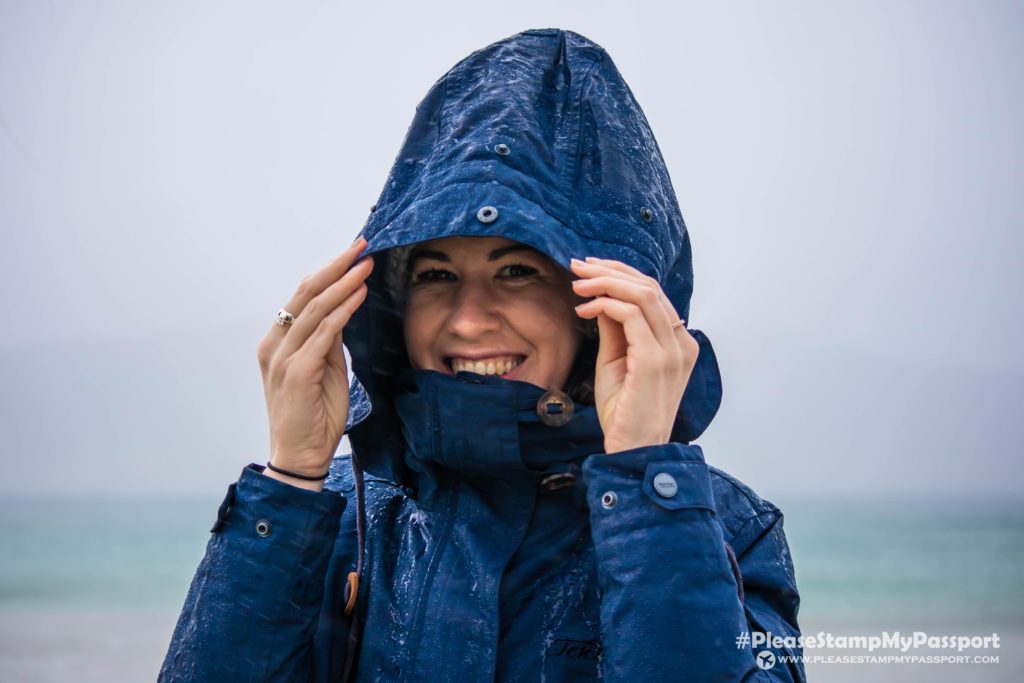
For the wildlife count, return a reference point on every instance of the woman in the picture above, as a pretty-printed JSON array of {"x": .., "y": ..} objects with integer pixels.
[{"x": 523, "y": 501}]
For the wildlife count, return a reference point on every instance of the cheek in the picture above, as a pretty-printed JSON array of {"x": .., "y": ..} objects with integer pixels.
[
  {"x": 418, "y": 335},
  {"x": 552, "y": 322}
]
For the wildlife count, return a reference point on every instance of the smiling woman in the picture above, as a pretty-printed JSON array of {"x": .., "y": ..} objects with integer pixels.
[
  {"x": 492, "y": 306},
  {"x": 523, "y": 500}
]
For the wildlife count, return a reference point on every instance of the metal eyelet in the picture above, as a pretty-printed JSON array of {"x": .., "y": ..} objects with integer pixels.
[
  {"x": 263, "y": 528},
  {"x": 646, "y": 214},
  {"x": 502, "y": 149},
  {"x": 609, "y": 499},
  {"x": 487, "y": 214}
]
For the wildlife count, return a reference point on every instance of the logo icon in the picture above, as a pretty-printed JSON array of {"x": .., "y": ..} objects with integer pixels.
[{"x": 765, "y": 660}]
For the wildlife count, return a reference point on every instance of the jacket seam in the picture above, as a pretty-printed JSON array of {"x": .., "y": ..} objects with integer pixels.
[
  {"x": 579, "y": 124},
  {"x": 756, "y": 502},
  {"x": 774, "y": 518}
]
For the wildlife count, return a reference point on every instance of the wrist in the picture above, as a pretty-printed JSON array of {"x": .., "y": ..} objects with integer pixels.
[
  {"x": 295, "y": 476},
  {"x": 612, "y": 447},
  {"x": 301, "y": 483}
]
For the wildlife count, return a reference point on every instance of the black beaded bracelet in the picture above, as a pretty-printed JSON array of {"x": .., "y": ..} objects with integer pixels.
[{"x": 296, "y": 475}]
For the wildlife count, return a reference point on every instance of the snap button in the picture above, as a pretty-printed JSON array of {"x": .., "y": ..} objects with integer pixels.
[
  {"x": 502, "y": 149},
  {"x": 557, "y": 481},
  {"x": 487, "y": 214},
  {"x": 665, "y": 485},
  {"x": 263, "y": 528},
  {"x": 555, "y": 408},
  {"x": 609, "y": 499},
  {"x": 646, "y": 214}
]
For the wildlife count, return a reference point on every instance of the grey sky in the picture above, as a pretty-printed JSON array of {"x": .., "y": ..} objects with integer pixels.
[{"x": 850, "y": 174}]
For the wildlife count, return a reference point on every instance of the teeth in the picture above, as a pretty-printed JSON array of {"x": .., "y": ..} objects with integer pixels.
[{"x": 490, "y": 366}]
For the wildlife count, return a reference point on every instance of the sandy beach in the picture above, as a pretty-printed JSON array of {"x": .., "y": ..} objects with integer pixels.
[{"x": 85, "y": 648}]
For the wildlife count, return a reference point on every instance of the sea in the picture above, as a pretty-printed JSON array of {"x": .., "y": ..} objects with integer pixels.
[{"x": 91, "y": 588}]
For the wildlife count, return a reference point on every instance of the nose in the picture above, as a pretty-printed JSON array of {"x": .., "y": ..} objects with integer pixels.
[{"x": 474, "y": 312}]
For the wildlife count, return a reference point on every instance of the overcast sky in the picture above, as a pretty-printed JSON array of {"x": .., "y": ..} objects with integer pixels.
[{"x": 850, "y": 174}]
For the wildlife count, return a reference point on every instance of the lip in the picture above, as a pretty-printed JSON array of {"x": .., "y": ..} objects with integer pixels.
[{"x": 511, "y": 374}]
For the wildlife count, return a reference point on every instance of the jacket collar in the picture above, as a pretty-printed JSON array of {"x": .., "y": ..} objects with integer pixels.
[{"x": 484, "y": 427}]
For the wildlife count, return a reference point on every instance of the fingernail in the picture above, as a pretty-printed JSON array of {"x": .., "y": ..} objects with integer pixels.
[
  {"x": 591, "y": 258},
  {"x": 576, "y": 260}
]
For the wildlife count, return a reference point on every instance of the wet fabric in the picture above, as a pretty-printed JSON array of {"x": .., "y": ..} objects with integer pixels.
[{"x": 471, "y": 567}]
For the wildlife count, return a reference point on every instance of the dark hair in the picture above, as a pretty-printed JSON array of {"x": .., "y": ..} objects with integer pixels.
[{"x": 580, "y": 384}]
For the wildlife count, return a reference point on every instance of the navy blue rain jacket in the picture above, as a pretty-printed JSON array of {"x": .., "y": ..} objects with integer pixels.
[{"x": 472, "y": 537}]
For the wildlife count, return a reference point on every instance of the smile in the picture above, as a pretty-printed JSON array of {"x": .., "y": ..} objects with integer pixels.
[{"x": 495, "y": 365}]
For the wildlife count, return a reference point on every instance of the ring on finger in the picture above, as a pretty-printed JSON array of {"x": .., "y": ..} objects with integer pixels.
[
  {"x": 284, "y": 318},
  {"x": 678, "y": 323}
]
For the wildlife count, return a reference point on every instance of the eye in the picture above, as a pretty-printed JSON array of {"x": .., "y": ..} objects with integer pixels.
[
  {"x": 432, "y": 275},
  {"x": 518, "y": 270}
]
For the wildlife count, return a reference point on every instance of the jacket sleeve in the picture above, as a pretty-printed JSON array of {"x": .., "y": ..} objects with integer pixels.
[
  {"x": 252, "y": 607},
  {"x": 673, "y": 603}
]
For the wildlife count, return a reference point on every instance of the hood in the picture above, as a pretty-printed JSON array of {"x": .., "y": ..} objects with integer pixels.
[{"x": 535, "y": 138}]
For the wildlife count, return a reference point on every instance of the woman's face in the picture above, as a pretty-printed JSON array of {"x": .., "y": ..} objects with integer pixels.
[{"x": 486, "y": 304}]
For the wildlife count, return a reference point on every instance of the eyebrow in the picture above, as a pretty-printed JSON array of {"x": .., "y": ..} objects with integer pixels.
[{"x": 441, "y": 256}]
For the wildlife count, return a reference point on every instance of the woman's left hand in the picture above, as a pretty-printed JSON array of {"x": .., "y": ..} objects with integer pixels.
[{"x": 643, "y": 364}]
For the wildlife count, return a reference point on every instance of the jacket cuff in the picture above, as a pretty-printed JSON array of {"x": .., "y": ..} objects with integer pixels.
[
  {"x": 280, "y": 523},
  {"x": 670, "y": 476}
]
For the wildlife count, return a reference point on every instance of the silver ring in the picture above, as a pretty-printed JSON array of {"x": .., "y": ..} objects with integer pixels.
[
  {"x": 677, "y": 323},
  {"x": 284, "y": 318}
]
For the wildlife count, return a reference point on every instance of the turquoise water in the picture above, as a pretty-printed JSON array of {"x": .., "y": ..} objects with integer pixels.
[
  {"x": 953, "y": 562},
  {"x": 101, "y": 555},
  {"x": 909, "y": 563}
]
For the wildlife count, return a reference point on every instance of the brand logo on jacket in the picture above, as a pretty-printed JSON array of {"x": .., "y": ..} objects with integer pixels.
[{"x": 575, "y": 649}]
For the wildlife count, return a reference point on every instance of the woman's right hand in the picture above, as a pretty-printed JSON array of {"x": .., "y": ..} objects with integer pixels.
[{"x": 305, "y": 378}]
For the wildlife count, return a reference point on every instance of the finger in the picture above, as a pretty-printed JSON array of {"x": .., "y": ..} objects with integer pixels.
[
  {"x": 326, "y": 340},
  {"x": 320, "y": 306},
  {"x": 633, "y": 272},
  {"x": 621, "y": 267},
  {"x": 591, "y": 271},
  {"x": 647, "y": 298},
  {"x": 317, "y": 282},
  {"x": 639, "y": 336},
  {"x": 612, "y": 342}
]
